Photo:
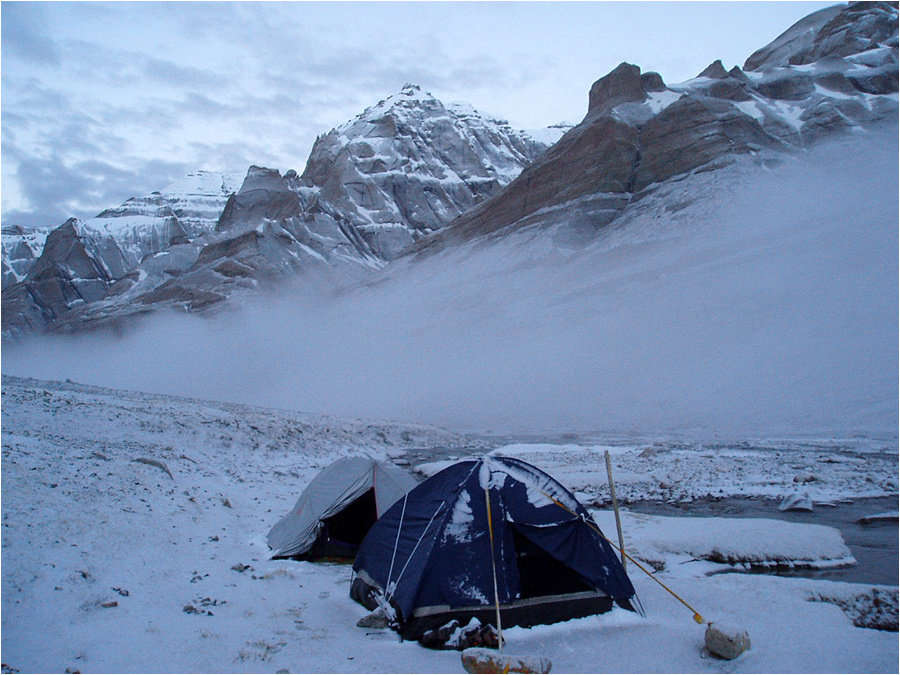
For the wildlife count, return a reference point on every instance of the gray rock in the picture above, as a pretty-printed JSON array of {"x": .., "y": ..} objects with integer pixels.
[
  {"x": 840, "y": 30},
  {"x": 726, "y": 642},
  {"x": 623, "y": 84},
  {"x": 652, "y": 81},
  {"x": 264, "y": 195},
  {"x": 708, "y": 128},
  {"x": 376, "y": 619},
  {"x": 715, "y": 70}
]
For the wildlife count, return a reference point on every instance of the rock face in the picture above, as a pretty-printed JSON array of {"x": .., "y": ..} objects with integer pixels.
[
  {"x": 837, "y": 31},
  {"x": 264, "y": 195},
  {"x": 64, "y": 276},
  {"x": 413, "y": 174},
  {"x": 85, "y": 263},
  {"x": 410, "y": 164},
  {"x": 832, "y": 71},
  {"x": 371, "y": 187},
  {"x": 21, "y": 248}
]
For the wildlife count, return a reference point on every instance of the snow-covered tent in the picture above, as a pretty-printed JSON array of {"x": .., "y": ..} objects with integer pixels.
[
  {"x": 483, "y": 536},
  {"x": 337, "y": 508}
]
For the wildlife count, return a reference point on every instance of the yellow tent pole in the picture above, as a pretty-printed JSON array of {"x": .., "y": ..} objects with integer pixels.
[
  {"x": 612, "y": 493},
  {"x": 487, "y": 499}
]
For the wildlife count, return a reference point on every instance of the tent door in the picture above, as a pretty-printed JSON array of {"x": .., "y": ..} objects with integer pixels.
[
  {"x": 540, "y": 573},
  {"x": 350, "y": 526}
]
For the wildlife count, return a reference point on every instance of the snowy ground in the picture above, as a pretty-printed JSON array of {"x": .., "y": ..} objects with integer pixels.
[
  {"x": 117, "y": 565},
  {"x": 823, "y": 469}
]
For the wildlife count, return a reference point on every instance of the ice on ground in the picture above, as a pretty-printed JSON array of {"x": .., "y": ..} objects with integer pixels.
[{"x": 697, "y": 546}]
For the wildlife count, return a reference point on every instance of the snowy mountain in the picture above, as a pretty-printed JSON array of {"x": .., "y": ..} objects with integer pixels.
[
  {"x": 142, "y": 226},
  {"x": 80, "y": 262},
  {"x": 20, "y": 248},
  {"x": 413, "y": 174},
  {"x": 371, "y": 187},
  {"x": 834, "y": 71},
  {"x": 409, "y": 165}
]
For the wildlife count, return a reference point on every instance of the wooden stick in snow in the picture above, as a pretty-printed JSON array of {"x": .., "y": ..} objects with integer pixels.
[{"x": 612, "y": 492}]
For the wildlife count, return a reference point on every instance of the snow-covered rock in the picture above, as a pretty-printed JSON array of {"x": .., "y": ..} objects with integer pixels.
[
  {"x": 875, "y": 607},
  {"x": 834, "y": 71},
  {"x": 410, "y": 164},
  {"x": 726, "y": 642},
  {"x": 692, "y": 546},
  {"x": 20, "y": 248},
  {"x": 798, "y": 501},
  {"x": 371, "y": 187}
]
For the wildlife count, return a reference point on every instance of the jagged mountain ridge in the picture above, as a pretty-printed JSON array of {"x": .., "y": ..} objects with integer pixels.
[
  {"x": 20, "y": 248},
  {"x": 380, "y": 182},
  {"x": 404, "y": 167},
  {"x": 834, "y": 71}
]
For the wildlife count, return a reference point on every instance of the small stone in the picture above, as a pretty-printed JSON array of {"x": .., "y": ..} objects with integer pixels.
[
  {"x": 376, "y": 619},
  {"x": 241, "y": 567},
  {"x": 796, "y": 502},
  {"x": 190, "y": 609},
  {"x": 726, "y": 642},
  {"x": 481, "y": 660}
]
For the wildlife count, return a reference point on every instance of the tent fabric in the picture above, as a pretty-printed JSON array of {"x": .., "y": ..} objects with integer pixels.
[
  {"x": 331, "y": 491},
  {"x": 431, "y": 553}
]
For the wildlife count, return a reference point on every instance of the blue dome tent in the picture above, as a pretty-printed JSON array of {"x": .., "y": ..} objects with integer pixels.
[{"x": 494, "y": 539}]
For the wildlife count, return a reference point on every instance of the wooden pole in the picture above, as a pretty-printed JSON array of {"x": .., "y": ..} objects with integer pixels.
[
  {"x": 612, "y": 492},
  {"x": 487, "y": 500}
]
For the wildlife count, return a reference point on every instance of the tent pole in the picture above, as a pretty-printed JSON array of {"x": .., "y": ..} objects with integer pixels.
[
  {"x": 487, "y": 499},
  {"x": 612, "y": 492}
]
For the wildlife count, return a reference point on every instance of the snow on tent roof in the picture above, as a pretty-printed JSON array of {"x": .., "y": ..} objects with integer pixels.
[
  {"x": 430, "y": 555},
  {"x": 359, "y": 487}
]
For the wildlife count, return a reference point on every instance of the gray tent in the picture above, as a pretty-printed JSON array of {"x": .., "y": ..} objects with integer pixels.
[{"x": 337, "y": 508}]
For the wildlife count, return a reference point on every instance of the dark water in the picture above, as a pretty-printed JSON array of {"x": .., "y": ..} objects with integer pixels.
[{"x": 873, "y": 545}]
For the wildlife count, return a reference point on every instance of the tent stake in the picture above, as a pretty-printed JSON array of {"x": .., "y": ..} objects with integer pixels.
[{"x": 612, "y": 492}]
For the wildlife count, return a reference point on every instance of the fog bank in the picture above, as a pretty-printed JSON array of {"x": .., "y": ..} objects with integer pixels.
[{"x": 765, "y": 307}]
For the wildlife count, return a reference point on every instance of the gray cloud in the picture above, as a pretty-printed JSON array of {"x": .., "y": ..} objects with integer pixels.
[
  {"x": 59, "y": 190},
  {"x": 169, "y": 72},
  {"x": 24, "y": 36}
]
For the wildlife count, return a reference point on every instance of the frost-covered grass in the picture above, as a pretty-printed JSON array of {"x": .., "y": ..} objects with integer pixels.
[
  {"x": 113, "y": 565},
  {"x": 825, "y": 470}
]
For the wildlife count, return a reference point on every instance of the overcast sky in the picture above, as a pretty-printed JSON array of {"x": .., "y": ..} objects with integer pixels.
[{"x": 104, "y": 101}]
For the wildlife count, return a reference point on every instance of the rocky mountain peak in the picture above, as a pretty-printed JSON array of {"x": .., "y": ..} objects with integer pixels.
[
  {"x": 412, "y": 170},
  {"x": 715, "y": 71},
  {"x": 409, "y": 164},
  {"x": 833, "y": 71},
  {"x": 842, "y": 30},
  {"x": 622, "y": 85},
  {"x": 264, "y": 195}
]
